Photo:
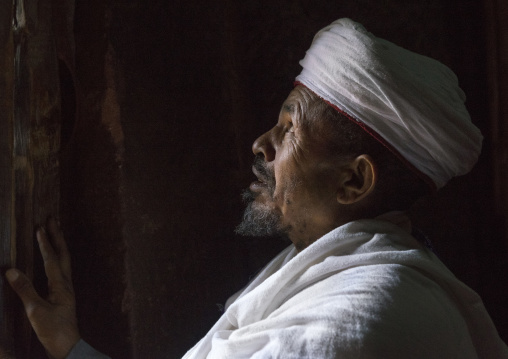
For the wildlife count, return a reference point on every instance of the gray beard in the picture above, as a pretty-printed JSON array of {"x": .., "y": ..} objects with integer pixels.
[{"x": 258, "y": 222}]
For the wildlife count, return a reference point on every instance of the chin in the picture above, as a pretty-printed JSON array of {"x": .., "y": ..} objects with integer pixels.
[{"x": 259, "y": 220}]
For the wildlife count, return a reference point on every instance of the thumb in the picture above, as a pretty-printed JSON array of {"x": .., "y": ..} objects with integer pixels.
[{"x": 24, "y": 288}]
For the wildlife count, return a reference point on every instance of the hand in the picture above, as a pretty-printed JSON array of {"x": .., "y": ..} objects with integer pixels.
[{"x": 54, "y": 320}]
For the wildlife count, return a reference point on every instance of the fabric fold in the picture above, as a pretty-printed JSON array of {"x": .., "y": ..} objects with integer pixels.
[
  {"x": 363, "y": 284},
  {"x": 411, "y": 103}
]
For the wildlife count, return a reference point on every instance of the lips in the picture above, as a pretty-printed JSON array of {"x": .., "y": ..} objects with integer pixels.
[
  {"x": 265, "y": 178},
  {"x": 259, "y": 176},
  {"x": 261, "y": 182}
]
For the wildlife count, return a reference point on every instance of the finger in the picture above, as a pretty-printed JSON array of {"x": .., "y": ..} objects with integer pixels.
[
  {"x": 58, "y": 243},
  {"x": 24, "y": 289},
  {"x": 50, "y": 258}
]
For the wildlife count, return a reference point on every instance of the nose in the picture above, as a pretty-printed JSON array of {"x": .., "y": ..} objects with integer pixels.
[{"x": 263, "y": 145}]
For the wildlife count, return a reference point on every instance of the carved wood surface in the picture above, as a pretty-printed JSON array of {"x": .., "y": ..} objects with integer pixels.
[
  {"x": 6, "y": 175},
  {"x": 30, "y": 140}
]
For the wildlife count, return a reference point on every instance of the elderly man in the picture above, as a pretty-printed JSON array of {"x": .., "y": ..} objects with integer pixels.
[{"x": 368, "y": 129}]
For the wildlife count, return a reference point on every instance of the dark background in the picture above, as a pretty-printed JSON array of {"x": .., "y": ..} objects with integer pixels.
[{"x": 161, "y": 101}]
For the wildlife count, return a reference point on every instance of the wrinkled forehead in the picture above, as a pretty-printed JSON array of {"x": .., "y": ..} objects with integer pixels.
[
  {"x": 302, "y": 103},
  {"x": 302, "y": 95}
]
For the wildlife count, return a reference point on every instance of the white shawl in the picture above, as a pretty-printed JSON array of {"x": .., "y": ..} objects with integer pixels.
[{"x": 365, "y": 290}]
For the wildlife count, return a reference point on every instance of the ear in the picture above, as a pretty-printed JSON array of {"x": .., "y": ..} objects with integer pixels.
[{"x": 357, "y": 181}]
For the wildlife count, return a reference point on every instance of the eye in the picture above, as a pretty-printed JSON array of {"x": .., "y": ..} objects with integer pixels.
[{"x": 289, "y": 128}]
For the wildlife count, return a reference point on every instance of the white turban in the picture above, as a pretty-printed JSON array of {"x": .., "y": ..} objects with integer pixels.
[{"x": 410, "y": 103}]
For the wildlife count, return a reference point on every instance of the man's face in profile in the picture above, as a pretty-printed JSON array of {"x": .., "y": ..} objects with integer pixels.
[{"x": 295, "y": 194}]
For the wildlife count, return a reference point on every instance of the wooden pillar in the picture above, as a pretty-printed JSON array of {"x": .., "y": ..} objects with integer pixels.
[
  {"x": 6, "y": 173},
  {"x": 29, "y": 142}
]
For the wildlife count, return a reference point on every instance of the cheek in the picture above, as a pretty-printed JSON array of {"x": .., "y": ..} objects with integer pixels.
[
  {"x": 287, "y": 177},
  {"x": 307, "y": 187},
  {"x": 298, "y": 178}
]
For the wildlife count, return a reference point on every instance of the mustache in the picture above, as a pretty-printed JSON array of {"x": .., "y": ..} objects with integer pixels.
[{"x": 266, "y": 175}]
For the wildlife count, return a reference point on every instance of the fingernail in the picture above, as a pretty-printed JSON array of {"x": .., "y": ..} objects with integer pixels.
[{"x": 12, "y": 275}]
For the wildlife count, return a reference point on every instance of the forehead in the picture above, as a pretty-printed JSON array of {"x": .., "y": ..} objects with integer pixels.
[
  {"x": 303, "y": 106},
  {"x": 300, "y": 96}
]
